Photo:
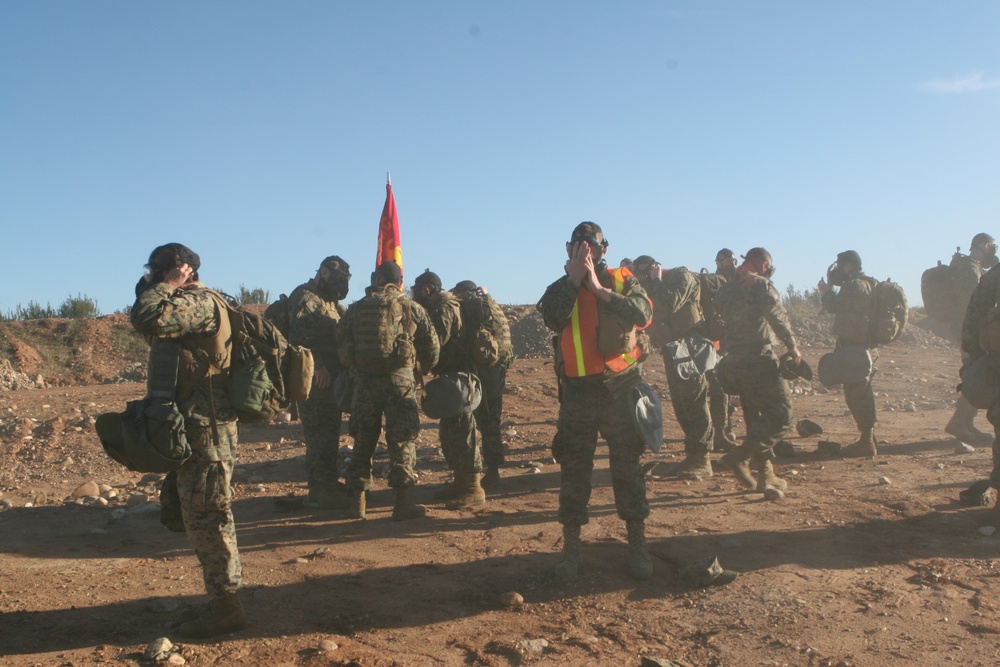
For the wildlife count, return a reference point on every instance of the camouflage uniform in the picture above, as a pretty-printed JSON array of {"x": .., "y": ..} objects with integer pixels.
[
  {"x": 312, "y": 323},
  {"x": 488, "y": 415},
  {"x": 851, "y": 308},
  {"x": 676, "y": 313},
  {"x": 598, "y": 404},
  {"x": 457, "y": 434},
  {"x": 391, "y": 394},
  {"x": 982, "y": 301},
  {"x": 202, "y": 484},
  {"x": 965, "y": 275},
  {"x": 752, "y": 314}
]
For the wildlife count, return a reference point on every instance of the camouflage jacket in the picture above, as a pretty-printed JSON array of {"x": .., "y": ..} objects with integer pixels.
[
  {"x": 313, "y": 324},
  {"x": 446, "y": 314},
  {"x": 851, "y": 306},
  {"x": 186, "y": 314},
  {"x": 425, "y": 340},
  {"x": 676, "y": 305},
  {"x": 982, "y": 301},
  {"x": 752, "y": 315},
  {"x": 632, "y": 305}
]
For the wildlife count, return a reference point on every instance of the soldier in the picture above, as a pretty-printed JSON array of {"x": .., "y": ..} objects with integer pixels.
[
  {"x": 751, "y": 312},
  {"x": 980, "y": 339},
  {"x": 172, "y": 305},
  {"x": 851, "y": 306},
  {"x": 676, "y": 297},
  {"x": 314, "y": 309},
  {"x": 719, "y": 404},
  {"x": 595, "y": 312},
  {"x": 457, "y": 434},
  {"x": 966, "y": 270},
  {"x": 494, "y": 379},
  {"x": 381, "y": 339}
]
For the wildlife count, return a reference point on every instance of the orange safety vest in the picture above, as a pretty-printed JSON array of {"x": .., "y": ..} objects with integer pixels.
[{"x": 578, "y": 341}]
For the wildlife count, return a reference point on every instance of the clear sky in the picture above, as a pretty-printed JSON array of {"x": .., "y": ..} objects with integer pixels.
[{"x": 260, "y": 134}]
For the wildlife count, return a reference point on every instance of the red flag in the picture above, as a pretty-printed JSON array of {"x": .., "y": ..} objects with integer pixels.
[{"x": 389, "y": 247}]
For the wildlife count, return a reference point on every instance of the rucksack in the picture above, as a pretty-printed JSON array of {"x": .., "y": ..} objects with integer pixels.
[
  {"x": 487, "y": 332},
  {"x": 383, "y": 334},
  {"x": 710, "y": 284},
  {"x": 890, "y": 312},
  {"x": 938, "y": 291},
  {"x": 266, "y": 373},
  {"x": 277, "y": 313}
]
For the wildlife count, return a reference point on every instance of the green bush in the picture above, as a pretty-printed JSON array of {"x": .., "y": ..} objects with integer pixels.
[
  {"x": 254, "y": 297},
  {"x": 802, "y": 304},
  {"x": 79, "y": 307},
  {"x": 33, "y": 311}
]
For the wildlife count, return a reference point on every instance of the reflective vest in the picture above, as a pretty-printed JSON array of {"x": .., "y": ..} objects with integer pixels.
[{"x": 581, "y": 353}]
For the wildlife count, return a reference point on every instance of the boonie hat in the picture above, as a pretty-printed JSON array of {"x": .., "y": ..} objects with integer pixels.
[
  {"x": 708, "y": 572},
  {"x": 452, "y": 395},
  {"x": 794, "y": 371}
]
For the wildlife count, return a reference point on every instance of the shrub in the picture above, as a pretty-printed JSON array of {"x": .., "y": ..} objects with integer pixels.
[
  {"x": 79, "y": 307},
  {"x": 254, "y": 297}
]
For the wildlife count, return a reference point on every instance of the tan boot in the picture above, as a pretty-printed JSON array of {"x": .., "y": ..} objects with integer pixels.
[
  {"x": 865, "y": 446},
  {"x": 358, "y": 504},
  {"x": 694, "y": 466},
  {"x": 962, "y": 426},
  {"x": 221, "y": 615},
  {"x": 640, "y": 564},
  {"x": 738, "y": 461},
  {"x": 471, "y": 492},
  {"x": 568, "y": 568},
  {"x": 766, "y": 477},
  {"x": 405, "y": 508},
  {"x": 491, "y": 477}
]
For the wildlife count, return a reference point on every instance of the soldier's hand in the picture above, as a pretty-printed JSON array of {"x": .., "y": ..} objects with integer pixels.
[
  {"x": 796, "y": 355},
  {"x": 576, "y": 267},
  {"x": 178, "y": 276},
  {"x": 822, "y": 286},
  {"x": 321, "y": 378}
]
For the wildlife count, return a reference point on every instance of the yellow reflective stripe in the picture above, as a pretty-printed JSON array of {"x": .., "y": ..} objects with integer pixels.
[
  {"x": 581, "y": 368},
  {"x": 619, "y": 282}
]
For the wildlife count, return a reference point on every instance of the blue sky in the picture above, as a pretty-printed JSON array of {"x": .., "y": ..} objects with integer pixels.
[{"x": 260, "y": 134}]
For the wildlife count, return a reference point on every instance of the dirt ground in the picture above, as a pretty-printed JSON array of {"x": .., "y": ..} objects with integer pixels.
[{"x": 865, "y": 562}]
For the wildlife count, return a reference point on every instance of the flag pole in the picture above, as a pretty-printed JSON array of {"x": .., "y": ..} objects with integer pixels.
[{"x": 388, "y": 181}]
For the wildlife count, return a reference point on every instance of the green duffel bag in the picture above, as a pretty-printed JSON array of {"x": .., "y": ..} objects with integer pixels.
[
  {"x": 148, "y": 437},
  {"x": 846, "y": 364},
  {"x": 452, "y": 395}
]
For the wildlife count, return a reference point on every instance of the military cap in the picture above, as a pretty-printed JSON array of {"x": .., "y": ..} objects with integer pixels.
[
  {"x": 428, "y": 277},
  {"x": 388, "y": 273},
  {"x": 169, "y": 255},
  {"x": 643, "y": 260},
  {"x": 849, "y": 256},
  {"x": 708, "y": 572},
  {"x": 807, "y": 427},
  {"x": 335, "y": 264},
  {"x": 981, "y": 237},
  {"x": 794, "y": 371},
  {"x": 465, "y": 286},
  {"x": 725, "y": 253}
]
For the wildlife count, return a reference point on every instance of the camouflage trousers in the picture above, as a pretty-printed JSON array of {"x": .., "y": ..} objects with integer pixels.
[
  {"x": 321, "y": 418},
  {"x": 395, "y": 397},
  {"x": 860, "y": 399},
  {"x": 202, "y": 488},
  {"x": 993, "y": 415},
  {"x": 459, "y": 443},
  {"x": 690, "y": 400},
  {"x": 489, "y": 414},
  {"x": 588, "y": 408},
  {"x": 766, "y": 400}
]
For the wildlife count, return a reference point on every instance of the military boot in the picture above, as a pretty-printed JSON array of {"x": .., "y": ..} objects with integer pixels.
[
  {"x": 568, "y": 568},
  {"x": 962, "y": 427},
  {"x": 694, "y": 466},
  {"x": 405, "y": 508},
  {"x": 865, "y": 446},
  {"x": 471, "y": 492},
  {"x": 332, "y": 499},
  {"x": 491, "y": 477},
  {"x": 221, "y": 615},
  {"x": 766, "y": 477},
  {"x": 640, "y": 564},
  {"x": 358, "y": 504},
  {"x": 738, "y": 461}
]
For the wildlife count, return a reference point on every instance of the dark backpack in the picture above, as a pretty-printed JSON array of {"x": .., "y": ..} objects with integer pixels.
[
  {"x": 487, "y": 331},
  {"x": 266, "y": 373},
  {"x": 710, "y": 284},
  {"x": 383, "y": 334},
  {"x": 890, "y": 312},
  {"x": 937, "y": 289}
]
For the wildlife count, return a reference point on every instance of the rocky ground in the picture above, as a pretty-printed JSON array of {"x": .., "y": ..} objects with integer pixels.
[{"x": 865, "y": 562}]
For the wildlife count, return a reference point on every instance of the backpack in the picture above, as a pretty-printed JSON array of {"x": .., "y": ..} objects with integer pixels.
[
  {"x": 277, "y": 313},
  {"x": 266, "y": 373},
  {"x": 710, "y": 284},
  {"x": 487, "y": 332},
  {"x": 937, "y": 289},
  {"x": 383, "y": 334},
  {"x": 890, "y": 312}
]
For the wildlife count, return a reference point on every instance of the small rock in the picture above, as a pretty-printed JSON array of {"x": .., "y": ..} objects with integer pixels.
[
  {"x": 939, "y": 466},
  {"x": 158, "y": 649},
  {"x": 328, "y": 645},
  {"x": 105, "y": 488},
  {"x": 884, "y": 480},
  {"x": 40, "y": 498},
  {"x": 987, "y": 530},
  {"x": 534, "y": 645},
  {"x": 137, "y": 500},
  {"x": 87, "y": 490},
  {"x": 511, "y": 599},
  {"x": 176, "y": 659},
  {"x": 772, "y": 493},
  {"x": 5, "y": 504}
]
